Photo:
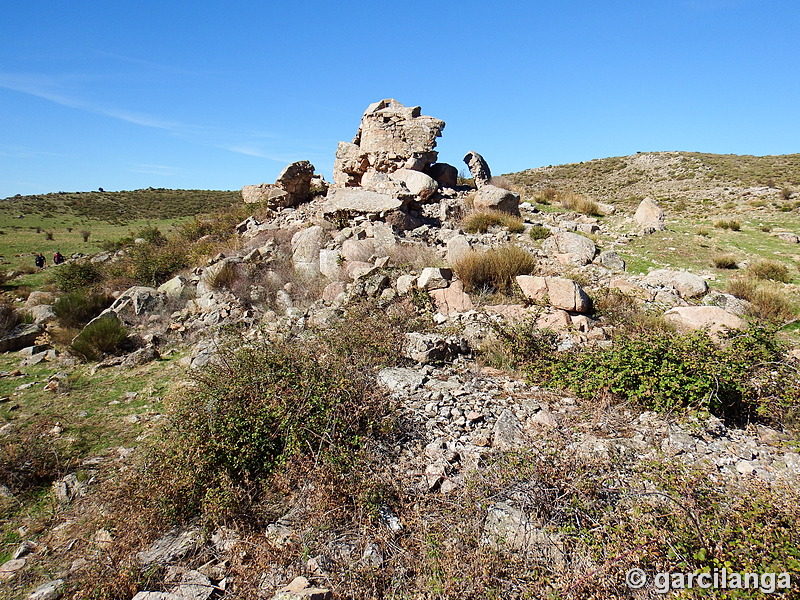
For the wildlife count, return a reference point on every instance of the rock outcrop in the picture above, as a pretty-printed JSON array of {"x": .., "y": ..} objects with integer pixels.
[
  {"x": 292, "y": 187},
  {"x": 488, "y": 196},
  {"x": 479, "y": 168},
  {"x": 687, "y": 285},
  {"x": 391, "y": 137},
  {"x": 711, "y": 318}
]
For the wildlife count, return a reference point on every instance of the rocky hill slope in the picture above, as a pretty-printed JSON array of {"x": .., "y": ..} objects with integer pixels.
[
  {"x": 403, "y": 385},
  {"x": 691, "y": 177}
]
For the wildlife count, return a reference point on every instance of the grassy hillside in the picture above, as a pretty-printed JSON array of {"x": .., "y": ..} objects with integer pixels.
[
  {"x": 673, "y": 176},
  {"x": 81, "y": 221}
]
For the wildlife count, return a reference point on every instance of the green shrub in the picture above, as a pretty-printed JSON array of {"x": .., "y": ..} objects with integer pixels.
[
  {"x": 73, "y": 276},
  {"x": 538, "y": 232},
  {"x": 98, "y": 338},
  {"x": 665, "y": 371},
  {"x": 493, "y": 270},
  {"x": 262, "y": 407},
  {"x": 222, "y": 226},
  {"x": 769, "y": 269},
  {"x": 482, "y": 221},
  {"x": 78, "y": 308},
  {"x": 626, "y": 313},
  {"x": 731, "y": 224},
  {"x": 152, "y": 235},
  {"x": 151, "y": 264},
  {"x": 114, "y": 245}
]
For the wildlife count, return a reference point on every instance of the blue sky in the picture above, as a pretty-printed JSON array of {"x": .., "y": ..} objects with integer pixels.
[{"x": 213, "y": 95}]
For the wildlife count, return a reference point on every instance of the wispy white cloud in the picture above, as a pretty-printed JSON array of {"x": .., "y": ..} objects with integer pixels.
[
  {"x": 163, "y": 170},
  {"x": 50, "y": 88},
  {"x": 64, "y": 90},
  {"x": 23, "y": 152},
  {"x": 146, "y": 63}
]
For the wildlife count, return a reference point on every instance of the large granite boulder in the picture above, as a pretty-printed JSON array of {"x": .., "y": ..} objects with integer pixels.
[
  {"x": 391, "y": 137},
  {"x": 559, "y": 292},
  {"x": 571, "y": 247},
  {"x": 421, "y": 185},
  {"x": 264, "y": 192},
  {"x": 710, "y": 318},
  {"x": 445, "y": 175},
  {"x": 135, "y": 303},
  {"x": 350, "y": 202},
  {"x": 19, "y": 337},
  {"x": 649, "y": 217},
  {"x": 306, "y": 245},
  {"x": 490, "y": 197},
  {"x": 688, "y": 285}
]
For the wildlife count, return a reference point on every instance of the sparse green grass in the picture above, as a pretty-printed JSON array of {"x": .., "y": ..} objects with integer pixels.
[
  {"x": 90, "y": 406},
  {"x": 96, "y": 412}
]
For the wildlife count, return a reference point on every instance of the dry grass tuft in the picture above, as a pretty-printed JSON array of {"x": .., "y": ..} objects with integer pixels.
[
  {"x": 767, "y": 303},
  {"x": 580, "y": 204},
  {"x": 493, "y": 270},
  {"x": 482, "y": 221},
  {"x": 731, "y": 224},
  {"x": 724, "y": 261},
  {"x": 546, "y": 196},
  {"x": 769, "y": 269},
  {"x": 414, "y": 256},
  {"x": 225, "y": 277}
]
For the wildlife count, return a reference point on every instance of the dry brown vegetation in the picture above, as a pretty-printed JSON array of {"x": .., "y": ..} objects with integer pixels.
[
  {"x": 769, "y": 269},
  {"x": 414, "y": 256},
  {"x": 767, "y": 303},
  {"x": 493, "y": 270},
  {"x": 482, "y": 221},
  {"x": 580, "y": 204},
  {"x": 724, "y": 261}
]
